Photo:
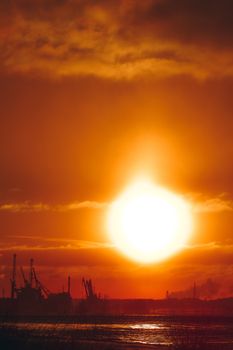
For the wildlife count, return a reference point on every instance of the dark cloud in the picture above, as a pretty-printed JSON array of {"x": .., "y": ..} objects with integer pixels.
[
  {"x": 117, "y": 39},
  {"x": 201, "y": 22}
]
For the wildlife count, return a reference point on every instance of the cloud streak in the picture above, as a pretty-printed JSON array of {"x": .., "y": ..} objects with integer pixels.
[
  {"x": 117, "y": 39},
  {"x": 213, "y": 205},
  {"x": 199, "y": 205},
  {"x": 42, "y": 207},
  {"x": 50, "y": 243}
]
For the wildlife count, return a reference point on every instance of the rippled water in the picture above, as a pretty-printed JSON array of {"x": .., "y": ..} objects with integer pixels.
[{"x": 144, "y": 330}]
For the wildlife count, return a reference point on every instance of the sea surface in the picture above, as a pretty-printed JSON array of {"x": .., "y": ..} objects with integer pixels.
[{"x": 147, "y": 330}]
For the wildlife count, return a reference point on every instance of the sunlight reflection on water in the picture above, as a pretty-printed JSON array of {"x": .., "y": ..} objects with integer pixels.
[
  {"x": 146, "y": 326},
  {"x": 154, "y": 332}
]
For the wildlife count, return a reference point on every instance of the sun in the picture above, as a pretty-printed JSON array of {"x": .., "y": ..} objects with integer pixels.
[{"x": 148, "y": 223}]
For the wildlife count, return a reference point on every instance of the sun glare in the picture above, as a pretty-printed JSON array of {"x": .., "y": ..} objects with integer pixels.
[{"x": 149, "y": 223}]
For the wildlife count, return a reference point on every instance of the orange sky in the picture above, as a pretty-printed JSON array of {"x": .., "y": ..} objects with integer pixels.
[{"x": 93, "y": 93}]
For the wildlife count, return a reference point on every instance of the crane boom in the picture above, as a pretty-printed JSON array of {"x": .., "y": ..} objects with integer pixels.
[
  {"x": 39, "y": 284},
  {"x": 23, "y": 275},
  {"x": 85, "y": 287}
]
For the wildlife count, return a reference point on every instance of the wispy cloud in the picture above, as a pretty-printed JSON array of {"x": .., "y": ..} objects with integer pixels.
[
  {"x": 35, "y": 242},
  {"x": 51, "y": 243},
  {"x": 212, "y": 205},
  {"x": 199, "y": 204},
  {"x": 28, "y": 206},
  {"x": 80, "y": 205},
  {"x": 24, "y": 207},
  {"x": 211, "y": 246}
]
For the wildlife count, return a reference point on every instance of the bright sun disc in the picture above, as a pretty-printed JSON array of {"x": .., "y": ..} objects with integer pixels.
[{"x": 149, "y": 223}]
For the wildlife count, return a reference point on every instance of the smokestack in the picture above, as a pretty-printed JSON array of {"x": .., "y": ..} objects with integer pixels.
[
  {"x": 194, "y": 291},
  {"x": 13, "y": 280},
  {"x": 68, "y": 284}
]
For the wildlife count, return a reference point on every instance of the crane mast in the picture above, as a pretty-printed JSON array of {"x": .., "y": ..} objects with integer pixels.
[{"x": 13, "y": 280}]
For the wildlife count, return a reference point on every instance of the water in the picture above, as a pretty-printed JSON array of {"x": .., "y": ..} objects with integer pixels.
[{"x": 146, "y": 330}]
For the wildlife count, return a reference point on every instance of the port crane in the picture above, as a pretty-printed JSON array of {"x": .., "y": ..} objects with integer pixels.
[{"x": 89, "y": 290}]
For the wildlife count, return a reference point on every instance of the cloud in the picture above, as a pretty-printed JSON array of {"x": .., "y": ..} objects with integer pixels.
[
  {"x": 207, "y": 246},
  {"x": 51, "y": 243},
  {"x": 24, "y": 207},
  {"x": 117, "y": 39},
  {"x": 213, "y": 205},
  {"x": 80, "y": 205},
  {"x": 199, "y": 204},
  {"x": 41, "y": 207},
  {"x": 205, "y": 253},
  {"x": 206, "y": 23}
]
